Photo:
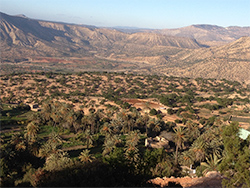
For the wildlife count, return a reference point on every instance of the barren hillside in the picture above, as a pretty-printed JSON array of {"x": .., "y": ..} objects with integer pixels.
[
  {"x": 59, "y": 39},
  {"x": 208, "y": 33},
  {"x": 34, "y": 45},
  {"x": 231, "y": 61}
]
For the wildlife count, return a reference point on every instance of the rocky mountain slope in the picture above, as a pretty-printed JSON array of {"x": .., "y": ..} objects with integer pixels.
[
  {"x": 57, "y": 39},
  {"x": 27, "y": 42},
  {"x": 231, "y": 61},
  {"x": 208, "y": 34}
]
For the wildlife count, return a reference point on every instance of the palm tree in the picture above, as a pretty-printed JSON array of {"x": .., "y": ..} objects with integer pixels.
[
  {"x": 31, "y": 131},
  {"x": 84, "y": 123},
  {"x": 193, "y": 131},
  {"x": 210, "y": 142},
  {"x": 135, "y": 114},
  {"x": 93, "y": 121},
  {"x": 215, "y": 146},
  {"x": 57, "y": 161},
  {"x": 150, "y": 124},
  {"x": 131, "y": 151},
  {"x": 132, "y": 139},
  {"x": 36, "y": 118},
  {"x": 144, "y": 121},
  {"x": 179, "y": 138},
  {"x": 108, "y": 146},
  {"x": 140, "y": 122},
  {"x": 70, "y": 118},
  {"x": 46, "y": 149},
  {"x": 1, "y": 106},
  {"x": 124, "y": 121},
  {"x": 117, "y": 139},
  {"x": 88, "y": 138},
  {"x": 56, "y": 117},
  {"x": 20, "y": 146},
  {"x": 55, "y": 137},
  {"x": 199, "y": 148},
  {"x": 85, "y": 156},
  {"x": 212, "y": 164},
  {"x": 130, "y": 123},
  {"x": 213, "y": 139},
  {"x": 186, "y": 158},
  {"x": 157, "y": 126},
  {"x": 51, "y": 146},
  {"x": 106, "y": 130},
  {"x": 47, "y": 109}
]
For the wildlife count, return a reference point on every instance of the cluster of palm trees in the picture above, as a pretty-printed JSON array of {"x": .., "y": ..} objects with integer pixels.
[
  {"x": 120, "y": 136},
  {"x": 192, "y": 144},
  {"x": 200, "y": 148}
]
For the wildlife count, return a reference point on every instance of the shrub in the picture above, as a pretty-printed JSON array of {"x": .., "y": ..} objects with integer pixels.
[
  {"x": 178, "y": 121},
  {"x": 170, "y": 111},
  {"x": 153, "y": 112}
]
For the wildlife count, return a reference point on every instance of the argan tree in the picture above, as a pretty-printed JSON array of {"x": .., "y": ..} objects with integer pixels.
[{"x": 235, "y": 164}]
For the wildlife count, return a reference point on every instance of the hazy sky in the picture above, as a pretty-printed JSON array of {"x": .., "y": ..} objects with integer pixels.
[{"x": 134, "y": 13}]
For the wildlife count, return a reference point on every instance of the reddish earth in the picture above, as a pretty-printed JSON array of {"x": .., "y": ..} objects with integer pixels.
[
  {"x": 212, "y": 179},
  {"x": 148, "y": 103},
  {"x": 139, "y": 103}
]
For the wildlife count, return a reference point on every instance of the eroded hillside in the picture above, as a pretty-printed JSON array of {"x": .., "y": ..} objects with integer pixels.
[
  {"x": 33, "y": 45},
  {"x": 231, "y": 61}
]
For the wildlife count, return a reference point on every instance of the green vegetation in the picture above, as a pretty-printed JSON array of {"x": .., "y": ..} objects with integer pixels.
[{"x": 92, "y": 127}]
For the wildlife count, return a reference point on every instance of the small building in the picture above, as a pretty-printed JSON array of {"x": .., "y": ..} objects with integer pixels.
[
  {"x": 191, "y": 172},
  {"x": 243, "y": 133},
  {"x": 157, "y": 142}
]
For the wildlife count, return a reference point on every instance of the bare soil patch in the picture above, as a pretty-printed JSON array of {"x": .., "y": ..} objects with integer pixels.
[
  {"x": 145, "y": 103},
  {"x": 212, "y": 179}
]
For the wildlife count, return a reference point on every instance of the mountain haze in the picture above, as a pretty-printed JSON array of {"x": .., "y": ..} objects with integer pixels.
[
  {"x": 212, "y": 33},
  {"x": 59, "y": 38},
  {"x": 43, "y": 45}
]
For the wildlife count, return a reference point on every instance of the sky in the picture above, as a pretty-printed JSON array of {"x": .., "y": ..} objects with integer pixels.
[{"x": 155, "y": 14}]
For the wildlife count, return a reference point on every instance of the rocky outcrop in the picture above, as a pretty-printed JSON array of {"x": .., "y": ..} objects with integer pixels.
[{"x": 212, "y": 179}]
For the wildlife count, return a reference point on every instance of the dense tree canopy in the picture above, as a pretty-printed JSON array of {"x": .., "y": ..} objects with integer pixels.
[{"x": 89, "y": 134}]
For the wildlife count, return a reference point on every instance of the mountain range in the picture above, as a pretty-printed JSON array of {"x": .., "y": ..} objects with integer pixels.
[{"x": 195, "y": 51}]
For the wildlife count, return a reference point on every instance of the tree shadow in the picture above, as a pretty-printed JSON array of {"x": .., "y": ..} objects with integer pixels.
[{"x": 96, "y": 174}]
